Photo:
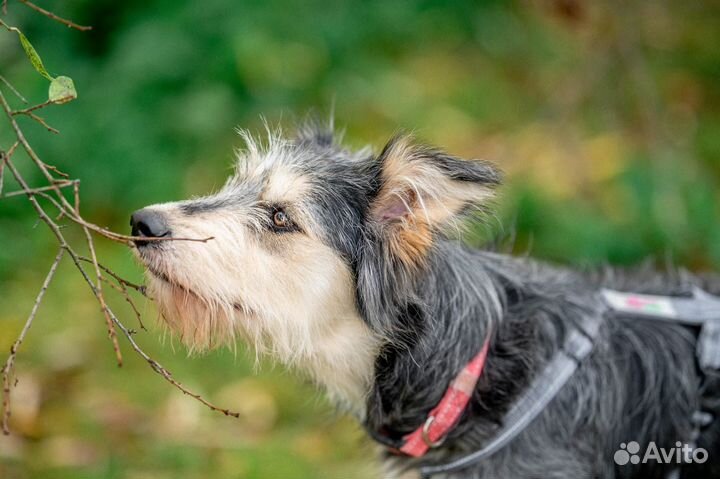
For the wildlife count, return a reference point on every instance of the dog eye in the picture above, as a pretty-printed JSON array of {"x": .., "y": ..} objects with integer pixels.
[{"x": 281, "y": 219}]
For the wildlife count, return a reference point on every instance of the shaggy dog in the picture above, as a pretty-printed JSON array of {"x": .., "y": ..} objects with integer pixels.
[{"x": 345, "y": 265}]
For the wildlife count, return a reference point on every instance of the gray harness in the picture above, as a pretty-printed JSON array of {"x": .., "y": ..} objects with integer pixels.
[{"x": 701, "y": 310}]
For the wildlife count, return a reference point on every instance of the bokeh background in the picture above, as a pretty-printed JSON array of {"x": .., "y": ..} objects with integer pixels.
[{"x": 605, "y": 116}]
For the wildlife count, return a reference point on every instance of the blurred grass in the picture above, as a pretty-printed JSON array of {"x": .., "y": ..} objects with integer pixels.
[{"x": 605, "y": 116}]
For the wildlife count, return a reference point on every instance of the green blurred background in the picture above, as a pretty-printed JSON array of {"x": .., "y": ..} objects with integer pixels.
[{"x": 605, "y": 116}]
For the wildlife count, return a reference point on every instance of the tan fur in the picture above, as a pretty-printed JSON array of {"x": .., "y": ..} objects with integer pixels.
[
  {"x": 287, "y": 295},
  {"x": 430, "y": 199},
  {"x": 412, "y": 242},
  {"x": 284, "y": 185}
]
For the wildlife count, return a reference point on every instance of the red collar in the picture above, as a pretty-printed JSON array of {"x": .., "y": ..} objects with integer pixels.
[{"x": 448, "y": 411}]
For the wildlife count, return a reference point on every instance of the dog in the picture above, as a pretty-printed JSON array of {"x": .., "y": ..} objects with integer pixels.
[{"x": 347, "y": 266}]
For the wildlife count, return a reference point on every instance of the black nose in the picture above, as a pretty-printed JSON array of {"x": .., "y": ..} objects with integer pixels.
[{"x": 149, "y": 223}]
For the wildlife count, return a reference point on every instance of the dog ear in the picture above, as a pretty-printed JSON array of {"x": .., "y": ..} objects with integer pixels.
[{"x": 423, "y": 190}]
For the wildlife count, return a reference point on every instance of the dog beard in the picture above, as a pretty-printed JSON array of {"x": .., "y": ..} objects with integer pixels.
[{"x": 199, "y": 323}]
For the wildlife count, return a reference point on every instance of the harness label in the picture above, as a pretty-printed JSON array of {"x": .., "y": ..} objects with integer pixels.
[{"x": 643, "y": 304}]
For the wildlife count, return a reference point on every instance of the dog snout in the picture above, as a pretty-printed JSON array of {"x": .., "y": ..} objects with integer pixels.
[{"x": 150, "y": 224}]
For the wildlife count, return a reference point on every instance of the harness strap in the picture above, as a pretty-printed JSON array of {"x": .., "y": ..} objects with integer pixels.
[
  {"x": 539, "y": 394},
  {"x": 701, "y": 309},
  {"x": 696, "y": 309}
]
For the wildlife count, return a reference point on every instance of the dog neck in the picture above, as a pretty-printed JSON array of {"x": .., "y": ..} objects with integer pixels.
[
  {"x": 412, "y": 376},
  {"x": 342, "y": 363}
]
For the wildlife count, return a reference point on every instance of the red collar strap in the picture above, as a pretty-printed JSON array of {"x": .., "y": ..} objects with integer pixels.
[{"x": 448, "y": 411}]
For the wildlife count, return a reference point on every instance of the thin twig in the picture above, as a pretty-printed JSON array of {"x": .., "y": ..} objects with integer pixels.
[
  {"x": 101, "y": 297},
  {"x": 12, "y": 89},
  {"x": 67, "y": 207},
  {"x": 72, "y": 212},
  {"x": 43, "y": 168},
  {"x": 12, "y": 149},
  {"x": 10, "y": 362},
  {"x": 56, "y": 170},
  {"x": 25, "y": 111},
  {"x": 157, "y": 367},
  {"x": 29, "y": 112},
  {"x": 64, "y": 212},
  {"x": 4, "y": 156},
  {"x": 137, "y": 287},
  {"x": 120, "y": 288},
  {"x": 48, "y": 127},
  {"x": 51, "y": 15},
  {"x": 33, "y": 191}
]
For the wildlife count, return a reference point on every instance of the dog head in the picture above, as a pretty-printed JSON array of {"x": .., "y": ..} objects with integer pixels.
[{"x": 310, "y": 249}]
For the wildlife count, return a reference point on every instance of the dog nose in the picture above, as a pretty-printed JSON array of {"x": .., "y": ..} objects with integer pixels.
[{"x": 149, "y": 223}]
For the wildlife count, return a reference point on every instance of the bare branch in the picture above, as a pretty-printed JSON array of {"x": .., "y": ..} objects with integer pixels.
[
  {"x": 157, "y": 367},
  {"x": 32, "y": 191},
  {"x": 25, "y": 111},
  {"x": 64, "y": 202},
  {"x": 4, "y": 156},
  {"x": 101, "y": 297},
  {"x": 52, "y": 16},
  {"x": 139, "y": 288},
  {"x": 125, "y": 293},
  {"x": 48, "y": 127},
  {"x": 63, "y": 243},
  {"x": 7, "y": 369},
  {"x": 68, "y": 208},
  {"x": 29, "y": 112},
  {"x": 54, "y": 192},
  {"x": 12, "y": 88},
  {"x": 31, "y": 153},
  {"x": 12, "y": 149}
]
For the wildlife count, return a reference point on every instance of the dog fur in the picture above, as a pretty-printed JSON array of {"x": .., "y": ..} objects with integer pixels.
[{"x": 367, "y": 290}]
